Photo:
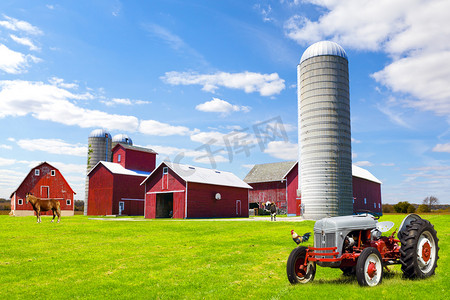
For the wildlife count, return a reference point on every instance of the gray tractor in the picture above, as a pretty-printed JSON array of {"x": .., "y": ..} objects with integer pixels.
[{"x": 355, "y": 245}]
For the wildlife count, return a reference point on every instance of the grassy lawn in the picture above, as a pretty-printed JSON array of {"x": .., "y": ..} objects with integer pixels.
[{"x": 186, "y": 259}]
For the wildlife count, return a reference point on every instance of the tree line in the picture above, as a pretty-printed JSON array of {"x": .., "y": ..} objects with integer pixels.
[{"x": 428, "y": 204}]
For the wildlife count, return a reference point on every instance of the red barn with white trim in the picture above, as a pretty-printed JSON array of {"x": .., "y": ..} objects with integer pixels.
[
  {"x": 115, "y": 187},
  {"x": 182, "y": 191},
  {"x": 43, "y": 181},
  {"x": 278, "y": 182},
  {"x": 114, "y": 190}
]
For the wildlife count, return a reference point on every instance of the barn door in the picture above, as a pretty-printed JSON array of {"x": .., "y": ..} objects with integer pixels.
[{"x": 45, "y": 192}]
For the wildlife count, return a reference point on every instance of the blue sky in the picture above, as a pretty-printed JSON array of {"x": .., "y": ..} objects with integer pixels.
[{"x": 213, "y": 84}]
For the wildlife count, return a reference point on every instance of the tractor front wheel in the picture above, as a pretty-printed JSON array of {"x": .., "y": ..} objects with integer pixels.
[
  {"x": 419, "y": 249},
  {"x": 297, "y": 270},
  {"x": 369, "y": 267}
]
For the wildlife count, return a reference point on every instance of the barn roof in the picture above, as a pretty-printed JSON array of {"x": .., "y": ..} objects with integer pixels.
[
  {"x": 203, "y": 175},
  {"x": 32, "y": 169},
  {"x": 119, "y": 169},
  {"x": 136, "y": 148},
  {"x": 269, "y": 172},
  {"x": 364, "y": 174}
]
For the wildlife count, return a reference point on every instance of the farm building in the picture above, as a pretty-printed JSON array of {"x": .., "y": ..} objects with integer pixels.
[
  {"x": 44, "y": 181},
  {"x": 114, "y": 187},
  {"x": 274, "y": 182},
  {"x": 182, "y": 191},
  {"x": 278, "y": 183}
]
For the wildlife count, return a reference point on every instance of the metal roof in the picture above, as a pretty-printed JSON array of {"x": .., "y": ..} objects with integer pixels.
[
  {"x": 364, "y": 174},
  {"x": 118, "y": 169},
  {"x": 269, "y": 172},
  {"x": 99, "y": 133},
  {"x": 323, "y": 48},
  {"x": 202, "y": 175},
  {"x": 122, "y": 138},
  {"x": 142, "y": 149}
]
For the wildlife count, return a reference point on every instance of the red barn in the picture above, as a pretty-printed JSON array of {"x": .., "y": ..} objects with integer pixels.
[
  {"x": 134, "y": 158},
  {"x": 44, "y": 181},
  {"x": 114, "y": 187},
  {"x": 366, "y": 191},
  {"x": 273, "y": 182},
  {"x": 278, "y": 182},
  {"x": 182, "y": 191}
]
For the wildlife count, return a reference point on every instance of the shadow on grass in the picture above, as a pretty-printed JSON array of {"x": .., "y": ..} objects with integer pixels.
[{"x": 351, "y": 279}]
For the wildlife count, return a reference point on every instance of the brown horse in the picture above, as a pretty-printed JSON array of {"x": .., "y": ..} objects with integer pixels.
[{"x": 44, "y": 205}]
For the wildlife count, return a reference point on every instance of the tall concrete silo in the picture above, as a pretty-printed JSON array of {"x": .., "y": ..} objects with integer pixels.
[
  {"x": 99, "y": 148},
  {"x": 324, "y": 132}
]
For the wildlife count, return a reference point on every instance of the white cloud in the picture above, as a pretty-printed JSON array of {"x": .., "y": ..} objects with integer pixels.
[
  {"x": 282, "y": 150},
  {"x": 220, "y": 106},
  {"x": 8, "y": 147},
  {"x": 7, "y": 161},
  {"x": 265, "y": 84},
  {"x": 415, "y": 34},
  {"x": 24, "y": 41},
  {"x": 248, "y": 166},
  {"x": 59, "y": 82},
  {"x": 176, "y": 154},
  {"x": 442, "y": 148},
  {"x": 123, "y": 101},
  {"x": 54, "y": 146},
  {"x": 264, "y": 11},
  {"x": 152, "y": 127},
  {"x": 18, "y": 25},
  {"x": 363, "y": 163},
  {"x": 13, "y": 62},
  {"x": 51, "y": 103}
]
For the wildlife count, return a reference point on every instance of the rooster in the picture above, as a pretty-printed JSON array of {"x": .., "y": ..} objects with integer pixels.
[{"x": 300, "y": 239}]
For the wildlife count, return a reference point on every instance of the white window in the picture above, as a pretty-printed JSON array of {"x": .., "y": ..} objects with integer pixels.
[
  {"x": 68, "y": 202},
  {"x": 119, "y": 157},
  {"x": 165, "y": 170},
  {"x": 365, "y": 201},
  {"x": 374, "y": 205},
  {"x": 53, "y": 173},
  {"x": 379, "y": 205},
  {"x": 36, "y": 172},
  {"x": 20, "y": 201}
]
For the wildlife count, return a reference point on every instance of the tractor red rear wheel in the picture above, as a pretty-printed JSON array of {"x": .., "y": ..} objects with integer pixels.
[{"x": 297, "y": 270}]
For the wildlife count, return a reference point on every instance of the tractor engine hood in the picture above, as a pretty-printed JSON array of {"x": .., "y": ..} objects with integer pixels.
[{"x": 345, "y": 223}]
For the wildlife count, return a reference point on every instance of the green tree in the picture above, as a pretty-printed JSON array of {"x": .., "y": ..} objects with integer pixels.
[
  {"x": 402, "y": 207},
  {"x": 388, "y": 208},
  {"x": 423, "y": 208},
  {"x": 411, "y": 209}
]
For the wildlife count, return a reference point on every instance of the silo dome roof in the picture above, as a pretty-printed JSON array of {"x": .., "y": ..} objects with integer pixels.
[
  {"x": 99, "y": 133},
  {"x": 122, "y": 138},
  {"x": 323, "y": 48}
]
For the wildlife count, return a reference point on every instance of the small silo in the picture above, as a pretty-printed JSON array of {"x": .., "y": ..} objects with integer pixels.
[
  {"x": 99, "y": 148},
  {"x": 324, "y": 131},
  {"x": 121, "y": 138}
]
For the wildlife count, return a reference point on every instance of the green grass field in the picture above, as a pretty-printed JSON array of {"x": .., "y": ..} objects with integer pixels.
[{"x": 185, "y": 259}]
